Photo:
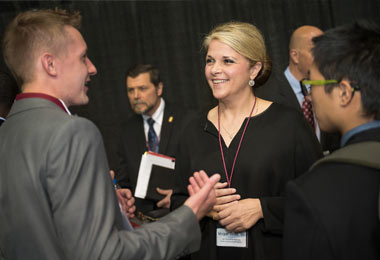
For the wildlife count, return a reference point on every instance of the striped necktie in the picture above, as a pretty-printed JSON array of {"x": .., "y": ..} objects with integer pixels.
[{"x": 152, "y": 136}]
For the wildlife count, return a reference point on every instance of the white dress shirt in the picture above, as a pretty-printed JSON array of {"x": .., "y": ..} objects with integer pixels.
[
  {"x": 158, "y": 117},
  {"x": 295, "y": 84}
]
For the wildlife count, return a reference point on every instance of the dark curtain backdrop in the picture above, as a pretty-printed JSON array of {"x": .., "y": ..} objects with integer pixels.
[{"x": 169, "y": 34}]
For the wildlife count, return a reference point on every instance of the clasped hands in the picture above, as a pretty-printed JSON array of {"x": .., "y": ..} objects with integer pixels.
[
  {"x": 202, "y": 195},
  {"x": 233, "y": 214}
]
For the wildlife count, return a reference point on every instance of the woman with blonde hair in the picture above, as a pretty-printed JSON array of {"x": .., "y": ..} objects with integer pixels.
[{"x": 256, "y": 145}]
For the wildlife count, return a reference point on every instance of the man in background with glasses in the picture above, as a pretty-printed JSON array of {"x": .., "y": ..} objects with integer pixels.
[{"x": 333, "y": 212}]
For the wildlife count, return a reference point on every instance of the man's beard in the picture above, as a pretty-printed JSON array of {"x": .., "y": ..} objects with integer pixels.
[{"x": 146, "y": 107}]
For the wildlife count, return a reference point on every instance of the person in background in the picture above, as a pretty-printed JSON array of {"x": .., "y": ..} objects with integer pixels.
[
  {"x": 8, "y": 92},
  {"x": 256, "y": 145},
  {"x": 332, "y": 211},
  {"x": 287, "y": 89},
  {"x": 56, "y": 193},
  {"x": 155, "y": 127}
]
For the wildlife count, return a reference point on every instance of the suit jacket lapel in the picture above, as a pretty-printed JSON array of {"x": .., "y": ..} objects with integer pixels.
[
  {"x": 166, "y": 129},
  {"x": 140, "y": 135},
  {"x": 288, "y": 94}
]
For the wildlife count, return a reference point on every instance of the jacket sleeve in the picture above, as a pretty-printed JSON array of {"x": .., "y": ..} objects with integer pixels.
[
  {"x": 306, "y": 150},
  {"x": 304, "y": 235},
  {"x": 121, "y": 167},
  {"x": 85, "y": 210}
]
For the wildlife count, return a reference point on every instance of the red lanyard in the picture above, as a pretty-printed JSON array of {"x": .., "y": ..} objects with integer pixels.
[{"x": 229, "y": 179}]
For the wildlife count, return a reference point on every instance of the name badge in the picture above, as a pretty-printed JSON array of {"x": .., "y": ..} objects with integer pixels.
[{"x": 228, "y": 239}]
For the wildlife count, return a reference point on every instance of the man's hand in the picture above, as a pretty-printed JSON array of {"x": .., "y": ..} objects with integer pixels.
[
  {"x": 126, "y": 200},
  {"x": 202, "y": 194},
  {"x": 165, "y": 202},
  {"x": 112, "y": 173}
]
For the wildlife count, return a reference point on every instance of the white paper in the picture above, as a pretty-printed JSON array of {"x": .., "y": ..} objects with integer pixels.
[{"x": 149, "y": 159}]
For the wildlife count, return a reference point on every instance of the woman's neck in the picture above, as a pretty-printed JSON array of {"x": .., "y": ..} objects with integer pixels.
[
  {"x": 228, "y": 116},
  {"x": 231, "y": 110}
]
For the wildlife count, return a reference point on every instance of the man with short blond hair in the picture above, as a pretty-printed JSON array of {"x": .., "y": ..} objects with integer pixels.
[{"x": 57, "y": 197}]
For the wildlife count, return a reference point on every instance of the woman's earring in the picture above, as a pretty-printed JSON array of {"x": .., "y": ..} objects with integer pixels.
[{"x": 251, "y": 82}]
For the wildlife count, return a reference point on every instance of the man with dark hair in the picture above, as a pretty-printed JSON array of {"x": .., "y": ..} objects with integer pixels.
[
  {"x": 8, "y": 92},
  {"x": 332, "y": 211},
  {"x": 56, "y": 193},
  {"x": 155, "y": 126}
]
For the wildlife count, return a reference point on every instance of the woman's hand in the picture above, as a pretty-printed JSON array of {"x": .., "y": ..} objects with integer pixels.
[
  {"x": 224, "y": 198},
  {"x": 241, "y": 215}
]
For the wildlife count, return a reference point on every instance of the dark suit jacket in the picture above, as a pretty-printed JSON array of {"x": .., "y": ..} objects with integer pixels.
[
  {"x": 280, "y": 91},
  {"x": 332, "y": 211},
  {"x": 132, "y": 145},
  {"x": 57, "y": 198},
  {"x": 1, "y": 122}
]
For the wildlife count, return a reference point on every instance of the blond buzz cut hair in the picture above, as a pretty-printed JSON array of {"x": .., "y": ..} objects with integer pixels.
[{"x": 32, "y": 32}]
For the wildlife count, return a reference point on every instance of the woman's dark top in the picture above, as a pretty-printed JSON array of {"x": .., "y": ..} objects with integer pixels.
[{"x": 278, "y": 146}]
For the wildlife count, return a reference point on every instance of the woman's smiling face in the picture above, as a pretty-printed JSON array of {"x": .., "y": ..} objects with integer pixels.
[{"x": 227, "y": 71}]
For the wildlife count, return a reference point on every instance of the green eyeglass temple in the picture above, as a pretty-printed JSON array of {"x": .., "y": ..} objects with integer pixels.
[
  {"x": 305, "y": 82},
  {"x": 318, "y": 82}
]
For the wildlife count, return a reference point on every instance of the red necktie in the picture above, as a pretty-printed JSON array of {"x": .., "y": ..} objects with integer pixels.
[{"x": 307, "y": 111}]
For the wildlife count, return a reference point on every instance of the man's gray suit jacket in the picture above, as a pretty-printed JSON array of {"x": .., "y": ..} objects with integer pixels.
[{"x": 57, "y": 198}]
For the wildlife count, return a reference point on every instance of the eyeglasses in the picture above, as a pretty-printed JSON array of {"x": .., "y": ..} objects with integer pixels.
[{"x": 306, "y": 84}]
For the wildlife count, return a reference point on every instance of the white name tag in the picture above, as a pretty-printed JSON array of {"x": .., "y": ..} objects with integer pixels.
[{"x": 228, "y": 239}]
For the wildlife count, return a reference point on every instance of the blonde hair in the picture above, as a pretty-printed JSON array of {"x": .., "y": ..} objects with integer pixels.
[
  {"x": 247, "y": 40},
  {"x": 32, "y": 32}
]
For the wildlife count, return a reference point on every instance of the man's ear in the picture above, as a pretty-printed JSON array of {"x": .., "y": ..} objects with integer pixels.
[
  {"x": 293, "y": 55},
  {"x": 48, "y": 62},
  {"x": 160, "y": 87},
  {"x": 345, "y": 92}
]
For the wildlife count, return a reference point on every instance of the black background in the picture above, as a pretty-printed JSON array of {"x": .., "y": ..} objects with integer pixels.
[{"x": 169, "y": 35}]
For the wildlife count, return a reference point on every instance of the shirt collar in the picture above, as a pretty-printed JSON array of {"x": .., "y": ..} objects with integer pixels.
[
  {"x": 64, "y": 105},
  {"x": 358, "y": 129},
  {"x": 55, "y": 100},
  {"x": 294, "y": 83},
  {"x": 158, "y": 114}
]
